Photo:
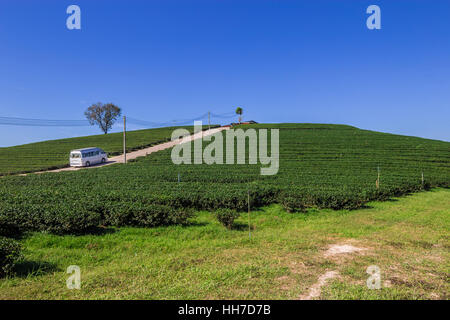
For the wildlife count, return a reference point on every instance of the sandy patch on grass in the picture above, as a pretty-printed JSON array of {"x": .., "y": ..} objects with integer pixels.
[{"x": 337, "y": 249}]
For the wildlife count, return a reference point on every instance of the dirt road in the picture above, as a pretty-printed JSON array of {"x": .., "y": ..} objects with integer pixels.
[{"x": 141, "y": 153}]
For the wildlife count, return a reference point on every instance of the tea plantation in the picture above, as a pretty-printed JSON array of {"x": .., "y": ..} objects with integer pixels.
[
  {"x": 323, "y": 166},
  {"x": 55, "y": 153}
]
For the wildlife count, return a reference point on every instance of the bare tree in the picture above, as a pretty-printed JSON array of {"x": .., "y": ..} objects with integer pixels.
[{"x": 103, "y": 115}]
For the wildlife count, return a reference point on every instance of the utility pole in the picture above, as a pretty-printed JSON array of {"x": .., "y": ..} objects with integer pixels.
[
  {"x": 124, "y": 140},
  {"x": 209, "y": 121}
]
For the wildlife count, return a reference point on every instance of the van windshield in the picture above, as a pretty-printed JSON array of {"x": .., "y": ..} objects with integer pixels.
[{"x": 75, "y": 155}]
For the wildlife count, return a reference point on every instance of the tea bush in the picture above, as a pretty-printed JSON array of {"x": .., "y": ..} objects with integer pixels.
[
  {"x": 10, "y": 253},
  {"x": 57, "y": 218},
  {"x": 145, "y": 215},
  {"x": 226, "y": 217}
]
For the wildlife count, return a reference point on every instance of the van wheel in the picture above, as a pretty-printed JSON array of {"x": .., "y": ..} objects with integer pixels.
[
  {"x": 103, "y": 160},
  {"x": 88, "y": 164}
]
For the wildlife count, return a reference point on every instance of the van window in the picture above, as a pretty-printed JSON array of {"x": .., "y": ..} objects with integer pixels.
[{"x": 75, "y": 155}]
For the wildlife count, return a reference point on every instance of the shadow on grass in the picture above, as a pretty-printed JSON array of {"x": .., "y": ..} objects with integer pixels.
[
  {"x": 34, "y": 268},
  {"x": 391, "y": 200},
  {"x": 19, "y": 235},
  {"x": 242, "y": 227},
  {"x": 194, "y": 224},
  {"x": 102, "y": 230}
]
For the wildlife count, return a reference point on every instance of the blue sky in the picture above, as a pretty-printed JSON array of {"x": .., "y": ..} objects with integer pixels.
[{"x": 282, "y": 61}]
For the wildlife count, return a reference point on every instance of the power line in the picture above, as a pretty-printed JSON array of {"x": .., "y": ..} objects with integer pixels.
[
  {"x": 13, "y": 121},
  {"x": 166, "y": 124},
  {"x": 10, "y": 121},
  {"x": 224, "y": 115}
]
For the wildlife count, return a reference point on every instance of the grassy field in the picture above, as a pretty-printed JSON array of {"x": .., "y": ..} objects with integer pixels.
[
  {"x": 55, "y": 153},
  {"x": 408, "y": 238}
]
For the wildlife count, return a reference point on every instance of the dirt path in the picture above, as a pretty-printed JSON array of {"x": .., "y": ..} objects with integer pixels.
[
  {"x": 335, "y": 252},
  {"x": 315, "y": 290},
  {"x": 140, "y": 153}
]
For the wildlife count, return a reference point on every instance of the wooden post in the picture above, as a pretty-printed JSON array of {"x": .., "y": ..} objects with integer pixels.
[
  {"x": 378, "y": 178},
  {"x": 423, "y": 180},
  {"x": 248, "y": 200},
  {"x": 124, "y": 140}
]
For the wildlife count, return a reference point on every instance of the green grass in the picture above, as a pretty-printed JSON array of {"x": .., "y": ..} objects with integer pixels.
[
  {"x": 55, "y": 153},
  {"x": 406, "y": 237}
]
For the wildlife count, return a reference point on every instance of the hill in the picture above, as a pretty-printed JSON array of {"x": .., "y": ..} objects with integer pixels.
[
  {"x": 54, "y": 154},
  {"x": 322, "y": 166}
]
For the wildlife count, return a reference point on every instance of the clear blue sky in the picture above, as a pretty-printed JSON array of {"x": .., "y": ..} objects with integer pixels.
[{"x": 281, "y": 60}]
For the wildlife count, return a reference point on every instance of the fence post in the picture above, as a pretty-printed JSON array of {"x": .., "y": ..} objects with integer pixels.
[
  {"x": 124, "y": 140},
  {"x": 248, "y": 201},
  {"x": 423, "y": 180},
  {"x": 378, "y": 178}
]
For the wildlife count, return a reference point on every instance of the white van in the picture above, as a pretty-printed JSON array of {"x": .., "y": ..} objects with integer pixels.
[{"x": 87, "y": 156}]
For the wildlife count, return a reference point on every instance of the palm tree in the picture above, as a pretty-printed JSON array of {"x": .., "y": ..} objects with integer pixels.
[{"x": 239, "y": 111}]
